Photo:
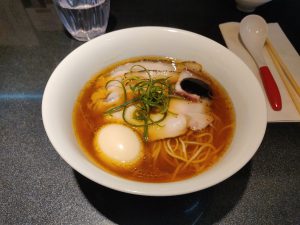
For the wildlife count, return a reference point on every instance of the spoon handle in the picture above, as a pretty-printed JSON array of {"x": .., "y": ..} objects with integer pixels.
[{"x": 271, "y": 88}]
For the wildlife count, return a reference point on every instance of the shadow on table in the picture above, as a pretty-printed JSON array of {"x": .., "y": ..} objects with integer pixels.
[
  {"x": 203, "y": 207},
  {"x": 112, "y": 23}
]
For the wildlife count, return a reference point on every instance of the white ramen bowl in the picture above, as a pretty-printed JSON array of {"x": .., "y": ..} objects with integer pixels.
[{"x": 79, "y": 66}]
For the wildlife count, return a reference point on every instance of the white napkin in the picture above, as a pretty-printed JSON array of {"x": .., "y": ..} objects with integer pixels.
[{"x": 289, "y": 55}]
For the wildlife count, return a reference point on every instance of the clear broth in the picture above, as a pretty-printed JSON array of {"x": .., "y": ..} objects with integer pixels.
[{"x": 86, "y": 122}]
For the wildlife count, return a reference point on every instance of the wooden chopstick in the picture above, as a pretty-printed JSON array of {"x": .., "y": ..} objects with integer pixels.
[
  {"x": 285, "y": 75},
  {"x": 289, "y": 75}
]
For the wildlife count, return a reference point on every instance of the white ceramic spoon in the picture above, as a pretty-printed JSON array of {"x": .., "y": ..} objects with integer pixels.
[{"x": 254, "y": 32}]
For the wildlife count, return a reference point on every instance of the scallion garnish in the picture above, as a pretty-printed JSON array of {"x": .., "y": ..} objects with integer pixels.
[{"x": 150, "y": 96}]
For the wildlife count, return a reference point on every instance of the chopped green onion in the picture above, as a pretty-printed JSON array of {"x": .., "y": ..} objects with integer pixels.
[{"x": 149, "y": 96}]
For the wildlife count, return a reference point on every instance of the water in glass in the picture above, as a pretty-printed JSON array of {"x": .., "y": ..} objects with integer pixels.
[{"x": 84, "y": 19}]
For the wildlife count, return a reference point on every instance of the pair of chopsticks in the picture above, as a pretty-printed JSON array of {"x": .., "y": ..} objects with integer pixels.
[{"x": 285, "y": 75}]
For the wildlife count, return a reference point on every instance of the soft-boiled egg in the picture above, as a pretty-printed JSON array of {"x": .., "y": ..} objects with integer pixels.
[{"x": 119, "y": 144}]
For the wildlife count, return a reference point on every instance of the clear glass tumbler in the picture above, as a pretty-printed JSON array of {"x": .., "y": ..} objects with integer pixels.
[{"x": 84, "y": 19}]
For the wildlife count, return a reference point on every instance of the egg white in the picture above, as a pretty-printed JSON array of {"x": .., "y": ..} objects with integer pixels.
[{"x": 119, "y": 145}]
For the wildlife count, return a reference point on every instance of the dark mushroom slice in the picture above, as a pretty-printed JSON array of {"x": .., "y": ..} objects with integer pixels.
[{"x": 197, "y": 87}]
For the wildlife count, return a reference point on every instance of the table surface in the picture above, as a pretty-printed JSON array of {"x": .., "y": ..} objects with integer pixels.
[{"x": 38, "y": 187}]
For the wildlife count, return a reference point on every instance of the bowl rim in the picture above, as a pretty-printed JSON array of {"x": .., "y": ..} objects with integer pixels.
[{"x": 142, "y": 188}]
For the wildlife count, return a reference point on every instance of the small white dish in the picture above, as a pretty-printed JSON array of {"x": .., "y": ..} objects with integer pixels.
[
  {"x": 249, "y": 5},
  {"x": 80, "y": 65}
]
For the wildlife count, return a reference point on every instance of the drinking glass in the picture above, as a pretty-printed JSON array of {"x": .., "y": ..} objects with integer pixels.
[{"x": 84, "y": 19}]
